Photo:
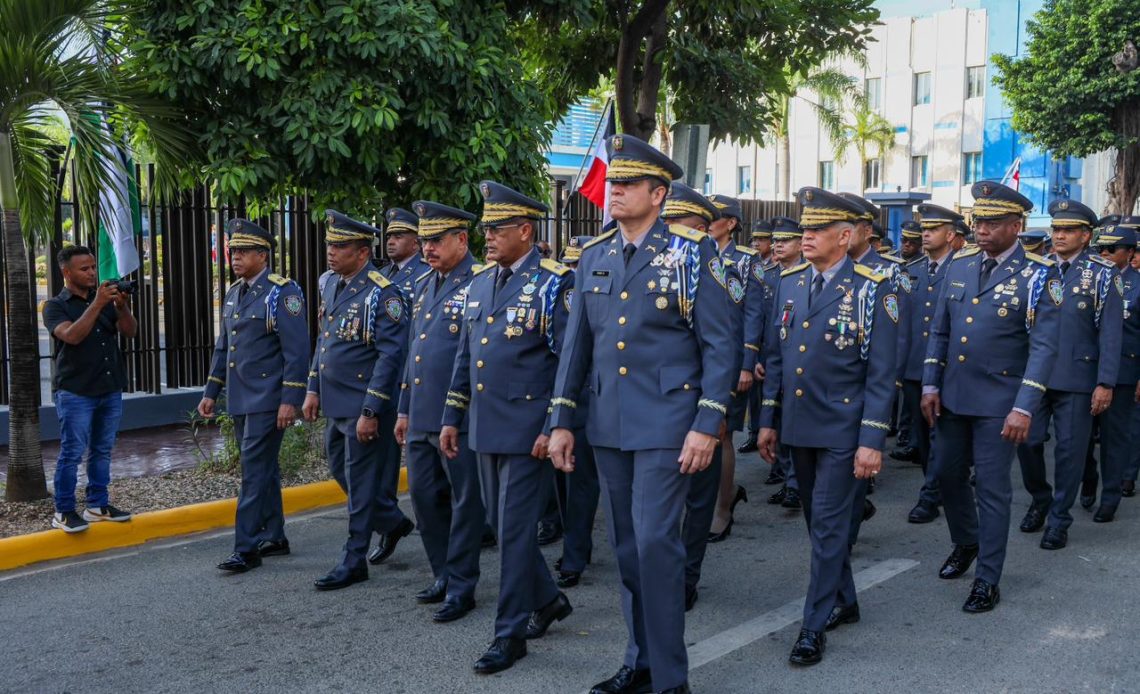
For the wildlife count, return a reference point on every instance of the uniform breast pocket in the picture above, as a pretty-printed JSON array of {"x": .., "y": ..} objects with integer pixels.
[
  {"x": 678, "y": 378},
  {"x": 955, "y": 293},
  {"x": 595, "y": 294},
  {"x": 659, "y": 300},
  {"x": 472, "y": 312}
]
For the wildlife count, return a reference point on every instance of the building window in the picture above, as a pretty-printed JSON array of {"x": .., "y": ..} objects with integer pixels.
[
  {"x": 708, "y": 182},
  {"x": 971, "y": 168},
  {"x": 873, "y": 90},
  {"x": 918, "y": 172},
  {"x": 744, "y": 179},
  {"x": 921, "y": 88},
  {"x": 827, "y": 175},
  {"x": 975, "y": 82},
  {"x": 872, "y": 169},
  {"x": 829, "y": 103}
]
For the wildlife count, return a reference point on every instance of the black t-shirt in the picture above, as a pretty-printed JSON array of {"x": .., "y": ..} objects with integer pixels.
[{"x": 95, "y": 366}]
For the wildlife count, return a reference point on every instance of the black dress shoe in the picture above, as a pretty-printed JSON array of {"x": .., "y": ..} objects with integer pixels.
[
  {"x": 1054, "y": 538},
  {"x": 240, "y": 562},
  {"x": 749, "y": 446},
  {"x": 1088, "y": 493},
  {"x": 983, "y": 597},
  {"x": 922, "y": 513},
  {"x": 540, "y": 620},
  {"x": 453, "y": 608},
  {"x": 341, "y": 577},
  {"x": 436, "y": 592},
  {"x": 723, "y": 534},
  {"x": 905, "y": 453},
  {"x": 273, "y": 548},
  {"x": 1128, "y": 488},
  {"x": 568, "y": 579},
  {"x": 388, "y": 541},
  {"x": 792, "y": 499},
  {"x": 1104, "y": 514},
  {"x": 775, "y": 477},
  {"x": 626, "y": 681},
  {"x": 842, "y": 614},
  {"x": 869, "y": 510},
  {"x": 488, "y": 540},
  {"x": 690, "y": 596},
  {"x": 549, "y": 532},
  {"x": 1034, "y": 519},
  {"x": 778, "y": 498},
  {"x": 809, "y": 648},
  {"x": 959, "y": 561},
  {"x": 500, "y": 655}
]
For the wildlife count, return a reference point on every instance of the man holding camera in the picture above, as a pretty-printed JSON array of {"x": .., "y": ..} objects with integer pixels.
[{"x": 84, "y": 320}]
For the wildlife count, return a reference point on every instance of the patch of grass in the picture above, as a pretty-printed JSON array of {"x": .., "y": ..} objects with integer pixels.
[{"x": 302, "y": 446}]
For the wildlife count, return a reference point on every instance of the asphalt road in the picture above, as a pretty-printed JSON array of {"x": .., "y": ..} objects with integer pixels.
[{"x": 162, "y": 619}]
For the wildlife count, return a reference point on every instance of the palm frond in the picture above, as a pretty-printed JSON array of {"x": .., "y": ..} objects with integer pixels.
[{"x": 35, "y": 185}]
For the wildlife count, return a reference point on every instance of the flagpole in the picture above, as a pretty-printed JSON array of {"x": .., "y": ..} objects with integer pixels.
[{"x": 589, "y": 153}]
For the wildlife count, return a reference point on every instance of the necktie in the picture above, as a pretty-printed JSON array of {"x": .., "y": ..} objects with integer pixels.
[
  {"x": 816, "y": 288},
  {"x": 628, "y": 252},
  {"x": 243, "y": 290},
  {"x": 439, "y": 278},
  {"x": 988, "y": 266},
  {"x": 393, "y": 269},
  {"x": 339, "y": 286},
  {"x": 501, "y": 281},
  {"x": 1065, "y": 267},
  {"x": 933, "y": 267}
]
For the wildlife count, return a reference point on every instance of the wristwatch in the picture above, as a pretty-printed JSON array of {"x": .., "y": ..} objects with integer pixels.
[{"x": 368, "y": 412}]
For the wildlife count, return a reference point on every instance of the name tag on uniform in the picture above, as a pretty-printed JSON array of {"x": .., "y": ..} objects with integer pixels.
[
  {"x": 601, "y": 273},
  {"x": 472, "y": 304},
  {"x": 957, "y": 284}
]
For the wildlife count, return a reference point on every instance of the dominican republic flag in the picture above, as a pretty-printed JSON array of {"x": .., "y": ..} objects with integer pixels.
[
  {"x": 1013, "y": 175},
  {"x": 594, "y": 187},
  {"x": 120, "y": 217}
]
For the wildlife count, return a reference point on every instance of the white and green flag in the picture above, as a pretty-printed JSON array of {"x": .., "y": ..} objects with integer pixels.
[{"x": 120, "y": 218}]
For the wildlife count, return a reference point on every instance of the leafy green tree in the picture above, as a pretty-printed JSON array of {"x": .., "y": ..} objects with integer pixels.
[
  {"x": 727, "y": 62},
  {"x": 54, "y": 58},
  {"x": 362, "y": 103},
  {"x": 1076, "y": 90},
  {"x": 865, "y": 131}
]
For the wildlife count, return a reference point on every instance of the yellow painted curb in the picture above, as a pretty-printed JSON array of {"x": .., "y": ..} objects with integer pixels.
[{"x": 56, "y": 544}]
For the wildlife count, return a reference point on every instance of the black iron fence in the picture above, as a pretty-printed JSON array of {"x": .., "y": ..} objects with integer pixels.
[{"x": 183, "y": 273}]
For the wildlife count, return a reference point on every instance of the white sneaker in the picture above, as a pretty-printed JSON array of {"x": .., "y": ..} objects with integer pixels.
[
  {"x": 69, "y": 522},
  {"x": 106, "y": 513}
]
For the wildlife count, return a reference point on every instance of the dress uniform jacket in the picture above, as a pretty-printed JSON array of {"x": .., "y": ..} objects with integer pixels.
[
  {"x": 406, "y": 278},
  {"x": 360, "y": 346},
  {"x": 993, "y": 348},
  {"x": 658, "y": 361},
  {"x": 1129, "y": 373},
  {"x": 508, "y": 354},
  {"x": 757, "y": 296},
  {"x": 924, "y": 298},
  {"x": 1091, "y": 316},
  {"x": 834, "y": 362},
  {"x": 261, "y": 355},
  {"x": 437, "y": 317}
]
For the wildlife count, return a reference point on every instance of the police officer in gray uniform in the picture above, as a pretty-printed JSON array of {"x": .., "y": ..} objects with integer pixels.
[
  {"x": 994, "y": 333},
  {"x": 582, "y": 488},
  {"x": 363, "y": 334},
  {"x": 446, "y": 493},
  {"x": 831, "y": 368},
  {"x": 261, "y": 358},
  {"x": 401, "y": 239},
  {"x": 652, "y": 334},
  {"x": 514, "y": 322},
  {"x": 926, "y": 274},
  {"x": 1117, "y": 244},
  {"x": 1081, "y": 386}
]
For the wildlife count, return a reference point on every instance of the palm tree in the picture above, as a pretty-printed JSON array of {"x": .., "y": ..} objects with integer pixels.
[
  {"x": 865, "y": 130},
  {"x": 832, "y": 88},
  {"x": 55, "y": 58}
]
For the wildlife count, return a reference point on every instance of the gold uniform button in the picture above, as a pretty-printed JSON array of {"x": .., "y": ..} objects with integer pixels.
[
  {"x": 529, "y": 396},
  {"x": 624, "y": 295},
  {"x": 926, "y": 319},
  {"x": 687, "y": 386},
  {"x": 623, "y": 371},
  {"x": 803, "y": 348},
  {"x": 427, "y": 317},
  {"x": 806, "y": 325},
  {"x": 925, "y": 334},
  {"x": 423, "y": 336},
  {"x": 326, "y": 333},
  {"x": 479, "y": 387},
  {"x": 483, "y": 341},
  {"x": 799, "y": 393},
  {"x": 234, "y": 332},
  {"x": 490, "y": 319},
  {"x": 965, "y": 339},
  {"x": 417, "y": 381},
  {"x": 419, "y": 359},
  {"x": 799, "y": 371},
  {"x": 322, "y": 349},
  {"x": 232, "y": 365},
  {"x": 974, "y": 300},
  {"x": 928, "y": 303},
  {"x": 233, "y": 348},
  {"x": 479, "y": 364},
  {"x": 969, "y": 319},
  {"x": 621, "y": 320},
  {"x": 596, "y": 290},
  {"x": 961, "y": 357},
  {"x": 621, "y": 345},
  {"x": 846, "y": 400}
]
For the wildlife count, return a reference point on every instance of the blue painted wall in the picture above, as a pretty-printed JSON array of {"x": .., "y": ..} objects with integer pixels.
[{"x": 1043, "y": 178}]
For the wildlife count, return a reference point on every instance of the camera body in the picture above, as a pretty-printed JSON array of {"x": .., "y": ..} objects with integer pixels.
[{"x": 126, "y": 286}]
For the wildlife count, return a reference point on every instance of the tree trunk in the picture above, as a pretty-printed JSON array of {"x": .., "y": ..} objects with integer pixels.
[
  {"x": 636, "y": 91},
  {"x": 784, "y": 161},
  {"x": 25, "y": 462},
  {"x": 1125, "y": 186}
]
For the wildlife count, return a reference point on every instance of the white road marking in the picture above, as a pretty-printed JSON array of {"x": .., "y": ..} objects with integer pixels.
[{"x": 729, "y": 640}]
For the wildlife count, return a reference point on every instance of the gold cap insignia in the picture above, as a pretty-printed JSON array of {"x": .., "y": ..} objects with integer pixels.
[
  {"x": 486, "y": 190},
  {"x": 1064, "y": 205},
  {"x": 329, "y": 220},
  {"x": 420, "y": 209},
  {"x": 617, "y": 142},
  {"x": 808, "y": 195},
  {"x": 987, "y": 189}
]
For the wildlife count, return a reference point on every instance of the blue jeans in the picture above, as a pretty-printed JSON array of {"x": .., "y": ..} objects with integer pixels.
[{"x": 86, "y": 425}]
